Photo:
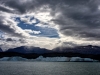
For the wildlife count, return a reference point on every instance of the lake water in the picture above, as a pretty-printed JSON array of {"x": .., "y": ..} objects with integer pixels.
[{"x": 49, "y": 68}]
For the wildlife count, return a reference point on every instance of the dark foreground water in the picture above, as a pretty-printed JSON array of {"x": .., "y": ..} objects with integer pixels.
[{"x": 49, "y": 68}]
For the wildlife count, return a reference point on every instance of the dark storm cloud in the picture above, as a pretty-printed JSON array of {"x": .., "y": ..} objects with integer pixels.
[
  {"x": 77, "y": 17},
  {"x": 21, "y": 7},
  {"x": 30, "y": 5},
  {"x": 15, "y": 40},
  {"x": 9, "y": 39},
  {"x": 5, "y": 9},
  {"x": 9, "y": 30},
  {"x": 24, "y": 6}
]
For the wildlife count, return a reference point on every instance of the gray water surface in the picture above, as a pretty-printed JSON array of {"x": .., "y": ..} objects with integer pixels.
[{"x": 49, "y": 68}]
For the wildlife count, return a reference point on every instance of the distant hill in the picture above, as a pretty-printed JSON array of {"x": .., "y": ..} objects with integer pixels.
[
  {"x": 79, "y": 49},
  {"x": 89, "y": 51},
  {"x": 0, "y": 50},
  {"x": 24, "y": 49}
]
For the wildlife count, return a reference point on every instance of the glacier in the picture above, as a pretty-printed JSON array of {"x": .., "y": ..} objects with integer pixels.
[{"x": 49, "y": 59}]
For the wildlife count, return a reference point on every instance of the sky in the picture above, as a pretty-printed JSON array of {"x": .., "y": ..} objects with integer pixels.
[{"x": 49, "y": 23}]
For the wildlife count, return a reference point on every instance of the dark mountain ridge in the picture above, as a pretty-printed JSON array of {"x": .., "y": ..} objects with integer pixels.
[
  {"x": 34, "y": 52},
  {"x": 1, "y": 50},
  {"x": 79, "y": 49},
  {"x": 26, "y": 50}
]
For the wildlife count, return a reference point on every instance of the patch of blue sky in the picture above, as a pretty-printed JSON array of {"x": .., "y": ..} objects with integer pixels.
[
  {"x": 23, "y": 25},
  {"x": 2, "y": 34},
  {"x": 45, "y": 31}
]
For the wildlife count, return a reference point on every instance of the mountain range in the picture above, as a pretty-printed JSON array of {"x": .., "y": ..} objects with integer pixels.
[
  {"x": 78, "y": 49},
  {"x": 1, "y": 50},
  {"x": 26, "y": 50},
  {"x": 89, "y": 49},
  {"x": 34, "y": 52}
]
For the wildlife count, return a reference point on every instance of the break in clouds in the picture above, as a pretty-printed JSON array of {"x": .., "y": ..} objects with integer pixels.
[{"x": 77, "y": 19}]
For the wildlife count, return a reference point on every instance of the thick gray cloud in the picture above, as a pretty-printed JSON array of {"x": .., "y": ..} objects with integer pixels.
[
  {"x": 77, "y": 18},
  {"x": 9, "y": 27},
  {"x": 9, "y": 30},
  {"x": 5, "y": 9},
  {"x": 15, "y": 40},
  {"x": 9, "y": 39}
]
